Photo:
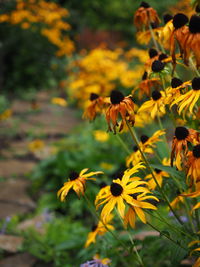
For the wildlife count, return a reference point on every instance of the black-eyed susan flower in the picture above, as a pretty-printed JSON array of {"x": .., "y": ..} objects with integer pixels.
[
  {"x": 157, "y": 66},
  {"x": 193, "y": 165},
  {"x": 76, "y": 182},
  {"x": 144, "y": 201},
  {"x": 175, "y": 203},
  {"x": 155, "y": 106},
  {"x": 97, "y": 262},
  {"x": 119, "y": 105},
  {"x": 96, "y": 106},
  {"x": 192, "y": 43},
  {"x": 182, "y": 137},
  {"x": 119, "y": 193},
  {"x": 159, "y": 175},
  {"x": 146, "y": 145},
  {"x": 179, "y": 34},
  {"x": 145, "y": 15},
  {"x": 177, "y": 87},
  {"x": 146, "y": 85},
  {"x": 188, "y": 100},
  {"x": 100, "y": 229}
]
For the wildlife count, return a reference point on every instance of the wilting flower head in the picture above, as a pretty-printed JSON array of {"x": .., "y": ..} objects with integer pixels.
[
  {"x": 180, "y": 33},
  {"x": 119, "y": 105},
  {"x": 182, "y": 137},
  {"x": 77, "y": 182},
  {"x": 192, "y": 43},
  {"x": 96, "y": 106},
  {"x": 193, "y": 165},
  {"x": 155, "y": 106},
  {"x": 146, "y": 85},
  {"x": 145, "y": 15},
  {"x": 188, "y": 100}
]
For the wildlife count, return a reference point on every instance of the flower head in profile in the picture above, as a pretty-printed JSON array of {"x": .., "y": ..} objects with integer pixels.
[
  {"x": 159, "y": 175},
  {"x": 145, "y": 15},
  {"x": 100, "y": 229},
  {"x": 193, "y": 165},
  {"x": 155, "y": 106},
  {"x": 76, "y": 182},
  {"x": 146, "y": 145},
  {"x": 187, "y": 101},
  {"x": 181, "y": 139},
  {"x": 95, "y": 106},
  {"x": 120, "y": 105}
]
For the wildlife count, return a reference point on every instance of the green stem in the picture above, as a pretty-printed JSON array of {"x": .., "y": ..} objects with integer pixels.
[
  {"x": 132, "y": 242},
  {"x": 161, "y": 128},
  {"x": 151, "y": 170},
  {"x": 93, "y": 211},
  {"x": 153, "y": 37},
  {"x": 167, "y": 236},
  {"x": 123, "y": 144},
  {"x": 194, "y": 67}
]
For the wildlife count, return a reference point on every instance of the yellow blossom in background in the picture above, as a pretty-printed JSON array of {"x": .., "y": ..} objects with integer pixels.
[
  {"x": 101, "y": 136},
  {"x": 106, "y": 166},
  {"x": 6, "y": 114},
  {"x": 59, "y": 101},
  {"x": 48, "y": 14},
  {"x": 36, "y": 145},
  {"x": 104, "y": 261}
]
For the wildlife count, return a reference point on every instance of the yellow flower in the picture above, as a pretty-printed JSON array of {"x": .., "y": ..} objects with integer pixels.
[
  {"x": 101, "y": 136},
  {"x": 99, "y": 229},
  {"x": 188, "y": 100},
  {"x": 175, "y": 203},
  {"x": 193, "y": 165},
  {"x": 76, "y": 182},
  {"x": 6, "y": 114},
  {"x": 36, "y": 145},
  {"x": 155, "y": 106},
  {"x": 104, "y": 261},
  {"x": 59, "y": 101},
  {"x": 106, "y": 166},
  {"x": 159, "y": 175},
  {"x": 121, "y": 191}
]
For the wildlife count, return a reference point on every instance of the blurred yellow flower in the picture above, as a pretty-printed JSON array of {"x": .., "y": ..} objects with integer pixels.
[
  {"x": 106, "y": 166},
  {"x": 101, "y": 136},
  {"x": 6, "y": 114},
  {"x": 35, "y": 145},
  {"x": 59, "y": 101}
]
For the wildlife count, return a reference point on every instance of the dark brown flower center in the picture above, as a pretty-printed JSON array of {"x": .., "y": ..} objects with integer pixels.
[
  {"x": 196, "y": 83},
  {"x": 157, "y": 66},
  {"x": 144, "y": 138},
  {"x": 197, "y": 9},
  {"x": 156, "y": 95},
  {"x": 102, "y": 184},
  {"x": 93, "y": 96},
  {"x": 167, "y": 17},
  {"x": 116, "y": 97},
  {"x": 144, "y": 76},
  {"x": 118, "y": 175},
  {"x": 181, "y": 133},
  {"x": 175, "y": 82},
  {"x": 179, "y": 20},
  {"x": 194, "y": 24},
  {"x": 73, "y": 175},
  {"x": 144, "y": 4},
  {"x": 157, "y": 170},
  {"x": 196, "y": 151},
  {"x": 135, "y": 148},
  {"x": 152, "y": 52},
  {"x": 154, "y": 25},
  {"x": 116, "y": 189},
  {"x": 94, "y": 227},
  {"x": 162, "y": 56}
]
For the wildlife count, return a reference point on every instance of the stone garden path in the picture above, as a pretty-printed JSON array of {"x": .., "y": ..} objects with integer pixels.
[{"x": 49, "y": 123}]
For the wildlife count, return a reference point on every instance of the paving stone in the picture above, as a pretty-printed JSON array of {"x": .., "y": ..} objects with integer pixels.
[
  {"x": 19, "y": 260},
  {"x": 11, "y": 243},
  {"x": 12, "y": 167}
]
